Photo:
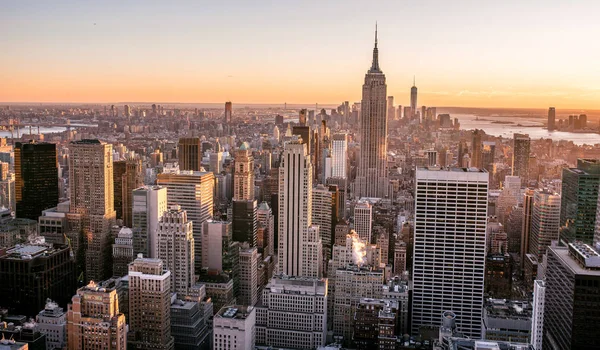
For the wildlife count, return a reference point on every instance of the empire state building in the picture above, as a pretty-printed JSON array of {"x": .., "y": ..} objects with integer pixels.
[{"x": 372, "y": 180}]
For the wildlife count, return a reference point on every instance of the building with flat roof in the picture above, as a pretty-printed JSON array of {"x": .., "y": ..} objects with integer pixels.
[
  {"x": 53, "y": 322},
  {"x": 189, "y": 324},
  {"x": 507, "y": 320},
  {"x": 234, "y": 327},
  {"x": 32, "y": 273}
]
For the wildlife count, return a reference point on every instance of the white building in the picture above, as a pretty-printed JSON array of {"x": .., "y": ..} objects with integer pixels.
[
  {"x": 176, "y": 248},
  {"x": 266, "y": 220},
  {"x": 545, "y": 222},
  {"x": 537, "y": 318},
  {"x": 193, "y": 191},
  {"x": 53, "y": 321},
  {"x": 363, "y": 220},
  {"x": 234, "y": 327},
  {"x": 293, "y": 313},
  {"x": 449, "y": 247},
  {"x": 149, "y": 205},
  {"x": 297, "y": 244},
  {"x": 339, "y": 155}
]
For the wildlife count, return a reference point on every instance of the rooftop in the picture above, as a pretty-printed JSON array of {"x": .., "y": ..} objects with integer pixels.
[
  {"x": 31, "y": 251},
  {"x": 236, "y": 312},
  {"x": 513, "y": 309},
  {"x": 572, "y": 263}
]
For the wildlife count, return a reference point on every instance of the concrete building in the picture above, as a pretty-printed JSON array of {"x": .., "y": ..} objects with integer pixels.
[
  {"x": 176, "y": 248},
  {"x": 127, "y": 176},
  {"x": 339, "y": 155},
  {"x": 189, "y": 324},
  {"x": 189, "y": 151},
  {"x": 372, "y": 176},
  {"x": 292, "y": 313},
  {"x": 572, "y": 276},
  {"x": 537, "y": 319},
  {"x": 92, "y": 202},
  {"x": 220, "y": 289},
  {"x": 545, "y": 222},
  {"x": 122, "y": 252},
  {"x": 244, "y": 222},
  {"x": 7, "y": 188},
  {"x": 324, "y": 215},
  {"x": 398, "y": 290},
  {"x": 297, "y": 240},
  {"x": 243, "y": 176},
  {"x": 363, "y": 220},
  {"x": 193, "y": 191},
  {"x": 94, "y": 320},
  {"x": 447, "y": 199},
  {"x": 234, "y": 327},
  {"x": 551, "y": 119},
  {"x": 248, "y": 267},
  {"x": 149, "y": 305},
  {"x": 32, "y": 273},
  {"x": 476, "y": 149},
  {"x": 52, "y": 321},
  {"x": 36, "y": 178},
  {"x": 507, "y": 320},
  {"x": 266, "y": 221},
  {"x": 149, "y": 205},
  {"x": 375, "y": 322}
]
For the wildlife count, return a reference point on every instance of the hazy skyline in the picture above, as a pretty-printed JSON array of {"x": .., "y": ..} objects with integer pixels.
[{"x": 464, "y": 53}]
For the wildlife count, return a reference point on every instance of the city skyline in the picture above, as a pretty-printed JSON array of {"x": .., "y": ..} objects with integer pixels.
[{"x": 497, "y": 55}]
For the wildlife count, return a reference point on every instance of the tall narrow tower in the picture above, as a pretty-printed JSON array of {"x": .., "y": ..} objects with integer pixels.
[
  {"x": 371, "y": 180},
  {"x": 413, "y": 100}
]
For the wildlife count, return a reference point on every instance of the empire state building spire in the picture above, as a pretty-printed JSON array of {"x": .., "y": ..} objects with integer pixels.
[{"x": 375, "y": 65}]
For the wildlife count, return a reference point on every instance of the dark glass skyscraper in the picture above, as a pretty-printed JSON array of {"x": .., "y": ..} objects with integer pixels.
[
  {"x": 190, "y": 153},
  {"x": 36, "y": 173},
  {"x": 579, "y": 201}
]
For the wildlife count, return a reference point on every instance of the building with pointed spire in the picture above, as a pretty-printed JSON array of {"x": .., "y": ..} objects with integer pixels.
[
  {"x": 371, "y": 180},
  {"x": 413, "y": 99}
]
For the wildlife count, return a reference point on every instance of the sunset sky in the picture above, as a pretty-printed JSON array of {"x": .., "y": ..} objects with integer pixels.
[{"x": 463, "y": 53}]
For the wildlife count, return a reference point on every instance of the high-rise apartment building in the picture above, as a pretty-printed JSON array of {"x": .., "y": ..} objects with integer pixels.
[
  {"x": 449, "y": 246},
  {"x": 520, "y": 160},
  {"x": 127, "y": 176},
  {"x": 175, "y": 240},
  {"x": 572, "y": 301},
  {"x": 149, "y": 305},
  {"x": 193, "y": 191},
  {"x": 248, "y": 290},
  {"x": 579, "y": 203},
  {"x": 372, "y": 178},
  {"x": 545, "y": 222},
  {"x": 363, "y": 220},
  {"x": 94, "y": 320},
  {"x": 234, "y": 327},
  {"x": 149, "y": 205},
  {"x": 36, "y": 178},
  {"x": 92, "y": 202},
  {"x": 293, "y": 313},
  {"x": 339, "y": 155},
  {"x": 122, "y": 252},
  {"x": 296, "y": 234},
  {"x": 551, "y": 120},
  {"x": 190, "y": 153}
]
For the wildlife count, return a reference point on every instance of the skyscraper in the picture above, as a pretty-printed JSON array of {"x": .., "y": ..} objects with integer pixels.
[
  {"x": 190, "y": 153},
  {"x": 94, "y": 320},
  {"x": 551, "y": 118},
  {"x": 91, "y": 186},
  {"x": 339, "y": 155},
  {"x": 228, "y": 112},
  {"x": 244, "y": 223},
  {"x": 149, "y": 305},
  {"x": 537, "y": 317},
  {"x": 476, "y": 149},
  {"x": 372, "y": 179},
  {"x": 193, "y": 191},
  {"x": 579, "y": 201},
  {"x": 127, "y": 176},
  {"x": 324, "y": 214},
  {"x": 449, "y": 247},
  {"x": 295, "y": 209},
  {"x": 122, "y": 252},
  {"x": 413, "y": 100},
  {"x": 545, "y": 222},
  {"x": 390, "y": 107},
  {"x": 363, "y": 220},
  {"x": 176, "y": 248},
  {"x": 520, "y": 160},
  {"x": 149, "y": 205},
  {"x": 243, "y": 179},
  {"x": 7, "y": 188},
  {"x": 572, "y": 301},
  {"x": 248, "y": 294},
  {"x": 36, "y": 178}
]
